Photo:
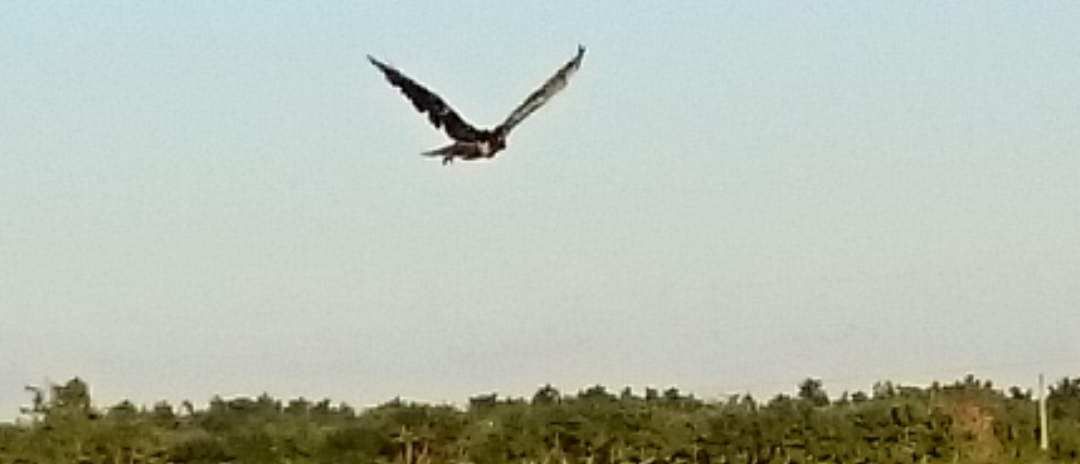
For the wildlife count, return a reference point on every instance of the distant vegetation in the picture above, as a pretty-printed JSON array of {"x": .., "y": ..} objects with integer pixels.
[{"x": 966, "y": 421}]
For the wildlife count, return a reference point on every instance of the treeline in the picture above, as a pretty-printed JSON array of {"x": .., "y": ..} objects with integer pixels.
[{"x": 965, "y": 421}]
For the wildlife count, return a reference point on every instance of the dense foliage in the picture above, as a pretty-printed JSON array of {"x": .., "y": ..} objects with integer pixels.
[{"x": 966, "y": 421}]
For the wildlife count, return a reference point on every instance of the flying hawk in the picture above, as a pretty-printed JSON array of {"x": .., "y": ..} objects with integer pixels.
[{"x": 471, "y": 143}]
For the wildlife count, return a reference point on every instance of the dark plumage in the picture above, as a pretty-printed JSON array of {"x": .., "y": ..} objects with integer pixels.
[{"x": 471, "y": 143}]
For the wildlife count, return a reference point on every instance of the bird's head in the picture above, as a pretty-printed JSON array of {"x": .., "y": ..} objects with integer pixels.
[
  {"x": 498, "y": 143},
  {"x": 497, "y": 139}
]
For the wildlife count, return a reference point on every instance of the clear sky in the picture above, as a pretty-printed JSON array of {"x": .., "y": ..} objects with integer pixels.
[{"x": 209, "y": 197}]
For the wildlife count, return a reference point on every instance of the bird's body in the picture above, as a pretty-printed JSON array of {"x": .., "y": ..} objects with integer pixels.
[
  {"x": 471, "y": 143},
  {"x": 486, "y": 145}
]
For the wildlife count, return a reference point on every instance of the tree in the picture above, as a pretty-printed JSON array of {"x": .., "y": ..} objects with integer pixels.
[
  {"x": 812, "y": 393},
  {"x": 964, "y": 421},
  {"x": 546, "y": 395}
]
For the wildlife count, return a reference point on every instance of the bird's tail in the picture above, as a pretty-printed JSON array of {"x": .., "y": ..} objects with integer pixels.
[
  {"x": 440, "y": 152},
  {"x": 447, "y": 153}
]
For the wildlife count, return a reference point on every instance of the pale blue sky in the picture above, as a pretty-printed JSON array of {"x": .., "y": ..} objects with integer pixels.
[{"x": 210, "y": 197}]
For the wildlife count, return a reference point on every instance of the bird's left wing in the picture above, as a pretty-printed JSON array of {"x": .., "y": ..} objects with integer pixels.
[
  {"x": 541, "y": 96},
  {"x": 425, "y": 101}
]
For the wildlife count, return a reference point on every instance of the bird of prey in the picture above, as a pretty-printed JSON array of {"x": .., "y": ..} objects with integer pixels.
[{"x": 471, "y": 143}]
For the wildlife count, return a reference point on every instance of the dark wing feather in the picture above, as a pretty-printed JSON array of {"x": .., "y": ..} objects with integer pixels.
[
  {"x": 541, "y": 96},
  {"x": 439, "y": 113}
]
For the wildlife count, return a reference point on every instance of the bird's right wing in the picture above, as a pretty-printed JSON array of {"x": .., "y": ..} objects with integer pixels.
[
  {"x": 541, "y": 96},
  {"x": 438, "y": 111}
]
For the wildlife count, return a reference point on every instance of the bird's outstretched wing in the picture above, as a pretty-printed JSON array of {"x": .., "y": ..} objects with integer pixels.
[
  {"x": 438, "y": 111},
  {"x": 541, "y": 96}
]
